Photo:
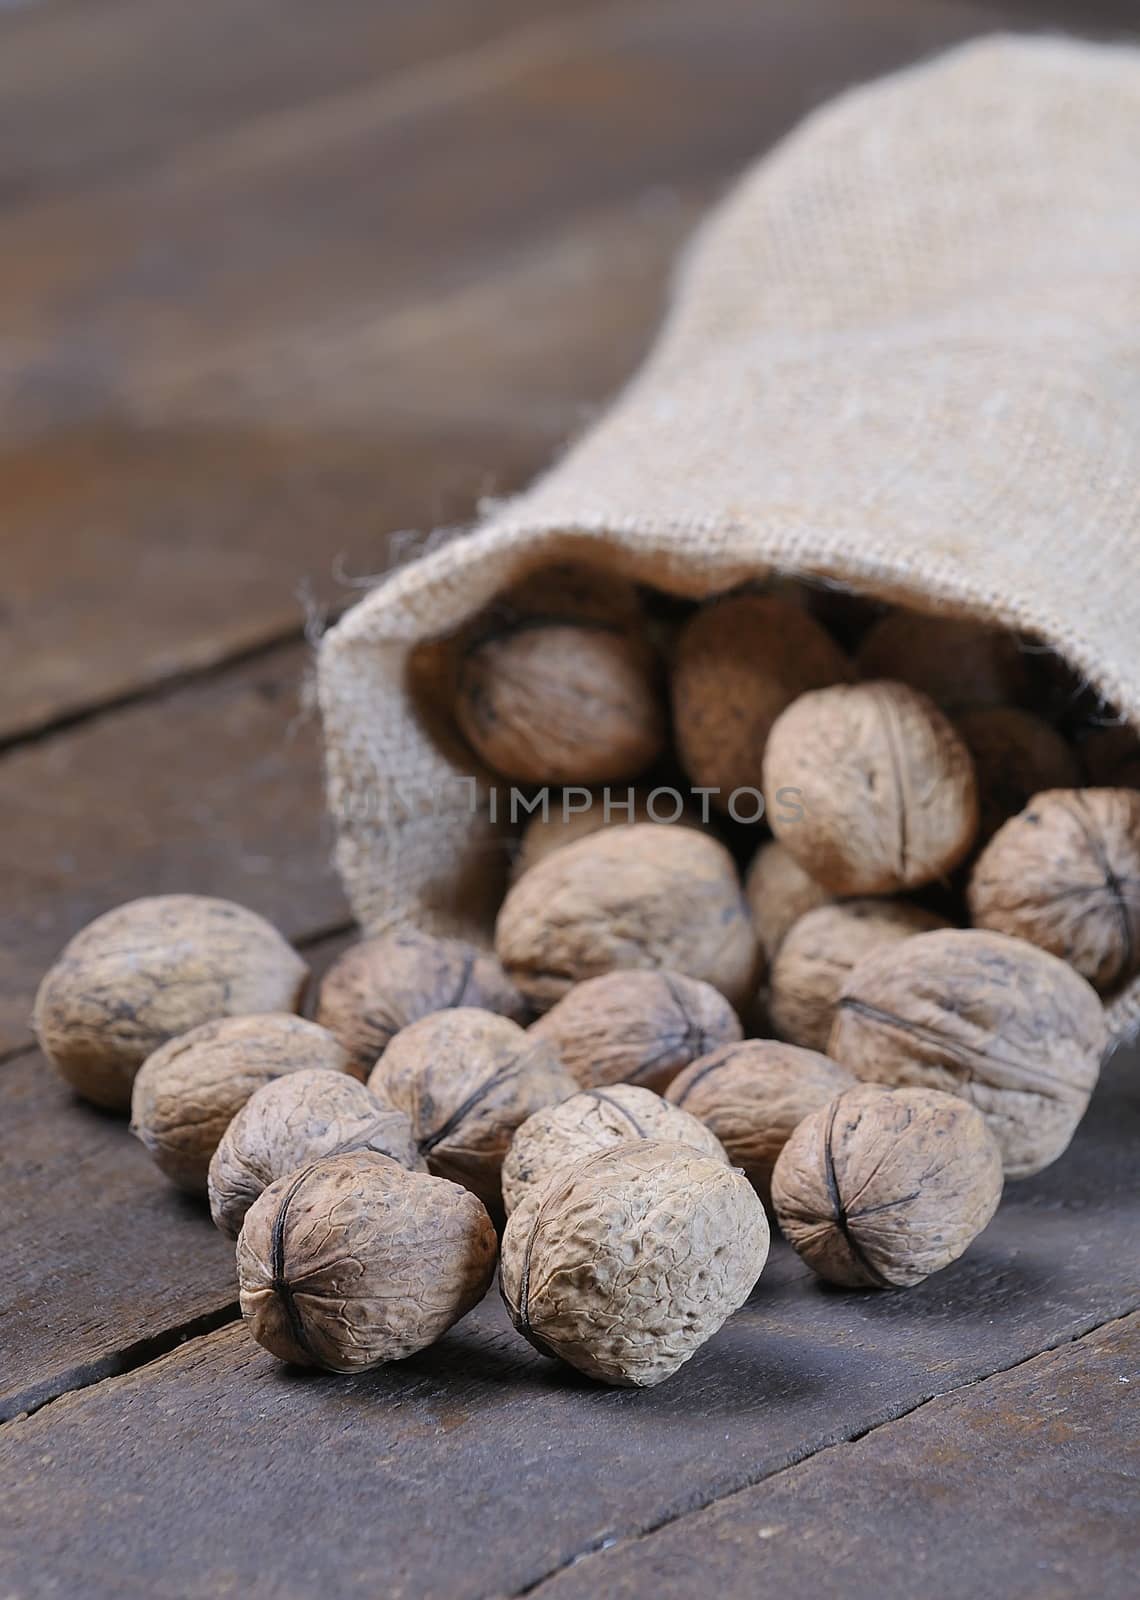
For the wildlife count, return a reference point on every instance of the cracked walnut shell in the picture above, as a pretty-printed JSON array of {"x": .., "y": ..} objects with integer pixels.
[
  {"x": 1065, "y": 875},
  {"x": 626, "y": 1262},
  {"x": 1006, "y": 1026},
  {"x": 354, "y": 1261},
  {"x": 291, "y": 1122},
  {"x": 887, "y": 798},
  {"x": 150, "y": 970},
  {"x": 560, "y": 1135},
  {"x": 882, "y": 1187}
]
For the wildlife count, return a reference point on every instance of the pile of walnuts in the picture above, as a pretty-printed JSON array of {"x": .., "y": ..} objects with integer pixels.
[{"x": 857, "y": 1017}]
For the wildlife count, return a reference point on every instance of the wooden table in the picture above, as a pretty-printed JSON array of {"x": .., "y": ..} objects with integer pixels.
[{"x": 279, "y": 280}]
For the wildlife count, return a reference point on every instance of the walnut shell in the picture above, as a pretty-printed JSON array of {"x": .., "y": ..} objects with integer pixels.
[
  {"x": 186, "y": 1093},
  {"x": 1015, "y": 756},
  {"x": 382, "y": 984},
  {"x": 882, "y": 1187},
  {"x": 885, "y": 786},
  {"x": 468, "y": 1079},
  {"x": 779, "y": 893},
  {"x": 958, "y": 663},
  {"x": 1110, "y": 759},
  {"x": 354, "y": 1261},
  {"x": 636, "y": 1027},
  {"x": 559, "y": 1136},
  {"x": 815, "y": 959},
  {"x": 293, "y": 1121},
  {"x": 150, "y": 970},
  {"x": 1065, "y": 875},
  {"x": 625, "y": 1263},
  {"x": 638, "y": 897},
  {"x": 739, "y": 663},
  {"x": 543, "y": 835},
  {"x": 752, "y": 1096},
  {"x": 1002, "y": 1024}
]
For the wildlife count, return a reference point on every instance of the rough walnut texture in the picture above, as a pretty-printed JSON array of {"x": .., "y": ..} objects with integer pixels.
[
  {"x": 560, "y": 1135},
  {"x": 779, "y": 893},
  {"x": 739, "y": 663},
  {"x": 545, "y": 834},
  {"x": 290, "y": 1123},
  {"x": 627, "y": 1262},
  {"x": 468, "y": 1079},
  {"x": 636, "y": 1027},
  {"x": 186, "y": 1093},
  {"x": 382, "y": 984},
  {"x": 1013, "y": 1030},
  {"x": 354, "y": 1261},
  {"x": 1065, "y": 875},
  {"x": 882, "y": 1187},
  {"x": 639, "y": 897},
  {"x": 885, "y": 788},
  {"x": 815, "y": 959},
  {"x": 752, "y": 1096},
  {"x": 1015, "y": 755},
  {"x": 152, "y": 969},
  {"x": 957, "y": 663}
]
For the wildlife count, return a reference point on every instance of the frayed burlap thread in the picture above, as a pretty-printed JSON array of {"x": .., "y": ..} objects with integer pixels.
[{"x": 903, "y": 356}]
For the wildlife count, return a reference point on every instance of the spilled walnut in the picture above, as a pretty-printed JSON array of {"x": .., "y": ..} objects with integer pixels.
[
  {"x": 958, "y": 663},
  {"x": 779, "y": 893},
  {"x": 606, "y": 808}
]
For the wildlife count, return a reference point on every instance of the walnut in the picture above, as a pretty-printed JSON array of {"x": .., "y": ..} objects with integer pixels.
[
  {"x": 150, "y": 970},
  {"x": 291, "y": 1122},
  {"x": 882, "y": 1187},
  {"x": 468, "y": 1079},
  {"x": 752, "y": 1095},
  {"x": 1011, "y": 1029},
  {"x": 1015, "y": 756},
  {"x": 884, "y": 788},
  {"x": 779, "y": 892},
  {"x": 1065, "y": 875},
  {"x": 739, "y": 663},
  {"x": 638, "y": 897},
  {"x": 382, "y": 984},
  {"x": 956, "y": 662},
  {"x": 545, "y": 834},
  {"x": 816, "y": 957},
  {"x": 186, "y": 1093},
  {"x": 354, "y": 1261},
  {"x": 626, "y": 1262},
  {"x": 1110, "y": 759},
  {"x": 559, "y": 1136},
  {"x": 636, "y": 1027}
]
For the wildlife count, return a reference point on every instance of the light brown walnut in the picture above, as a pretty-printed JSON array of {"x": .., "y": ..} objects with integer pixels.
[
  {"x": 882, "y": 1187},
  {"x": 1015, "y": 755},
  {"x": 1006, "y": 1026},
  {"x": 626, "y": 1262},
  {"x": 1065, "y": 875},
  {"x": 545, "y": 834},
  {"x": 958, "y": 663},
  {"x": 150, "y": 970},
  {"x": 779, "y": 892},
  {"x": 354, "y": 1261}
]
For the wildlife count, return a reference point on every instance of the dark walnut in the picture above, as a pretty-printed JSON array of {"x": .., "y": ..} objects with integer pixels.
[
  {"x": 884, "y": 788},
  {"x": 882, "y": 1187},
  {"x": 291, "y": 1122},
  {"x": 186, "y": 1093},
  {"x": 1065, "y": 875},
  {"x": 1110, "y": 759},
  {"x": 739, "y": 663},
  {"x": 752, "y": 1095},
  {"x": 779, "y": 893},
  {"x": 354, "y": 1261},
  {"x": 817, "y": 955},
  {"x": 545, "y": 834},
  {"x": 467, "y": 1079},
  {"x": 639, "y": 897},
  {"x": 636, "y": 1027},
  {"x": 957, "y": 663},
  {"x": 382, "y": 984},
  {"x": 1004, "y": 1025},
  {"x": 560, "y": 1135},
  {"x": 626, "y": 1262},
  {"x": 150, "y": 970},
  {"x": 1016, "y": 755}
]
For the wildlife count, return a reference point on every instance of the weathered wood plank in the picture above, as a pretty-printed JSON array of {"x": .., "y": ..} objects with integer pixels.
[
  {"x": 1024, "y": 1486},
  {"x": 478, "y": 1467}
]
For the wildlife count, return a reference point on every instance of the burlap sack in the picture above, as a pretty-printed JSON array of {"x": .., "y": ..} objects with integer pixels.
[{"x": 904, "y": 355}]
